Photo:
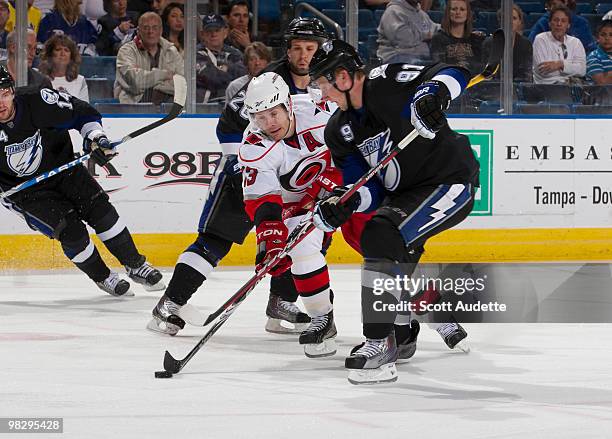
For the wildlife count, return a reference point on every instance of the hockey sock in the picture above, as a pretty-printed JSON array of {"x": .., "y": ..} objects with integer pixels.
[
  {"x": 284, "y": 287},
  {"x": 313, "y": 287},
  {"x": 115, "y": 235},
  {"x": 82, "y": 252}
]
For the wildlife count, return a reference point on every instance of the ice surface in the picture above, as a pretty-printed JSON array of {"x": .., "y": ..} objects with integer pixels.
[{"x": 69, "y": 350}]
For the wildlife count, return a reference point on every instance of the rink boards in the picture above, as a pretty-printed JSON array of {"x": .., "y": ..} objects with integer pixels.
[{"x": 546, "y": 193}]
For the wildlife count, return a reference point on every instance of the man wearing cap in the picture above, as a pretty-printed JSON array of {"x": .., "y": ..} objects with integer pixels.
[{"x": 217, "y": 63}]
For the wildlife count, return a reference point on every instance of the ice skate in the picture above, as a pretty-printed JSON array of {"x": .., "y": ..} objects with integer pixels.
[
  {"x": 373, "y": 362},
  {"x": 148, "y": 276},
  {"x": 115, "y": 286},
  {"x": 165, "y": 317},
  {"x": 406, "y": 339},
  {"x": 319, "y": 338},
  {"x": 280, "y": 311},
  {"x": 454, "y": 336}
]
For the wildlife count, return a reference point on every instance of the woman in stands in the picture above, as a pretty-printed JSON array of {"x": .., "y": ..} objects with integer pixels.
[
  {"x": 60, "y": 62},
  {"x": 115, "y": 27},
  {"x": 174, "y": 25},
  {"x": 456, "y": 43},
  {"x": 66, "y": 18}
]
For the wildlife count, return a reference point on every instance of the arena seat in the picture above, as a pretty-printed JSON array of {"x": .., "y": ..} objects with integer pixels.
[{"x": 98, "y": 67}]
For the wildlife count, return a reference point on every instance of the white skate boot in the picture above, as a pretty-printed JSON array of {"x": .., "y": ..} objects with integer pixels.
[
  {"x": 165, "y": 317},
  {"x": 373, "y": 362}
]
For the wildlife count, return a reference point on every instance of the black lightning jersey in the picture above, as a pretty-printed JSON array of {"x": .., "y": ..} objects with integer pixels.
[
  {"x": 358, "y": 139},
  {"x": 36, "y": 140},
  {"x": 234, "y": 120}
]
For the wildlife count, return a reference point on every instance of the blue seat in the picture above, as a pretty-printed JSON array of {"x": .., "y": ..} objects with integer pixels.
[
  {"x": 320, "y": 4},
  {"x": 531, "y": 19},
  {"x": 436, "y": 16},
  {"x": 269, "y": 10},
  {"x": 529, "y": 7},
  {"x": 378, "y": 15},
  {"x": 338, "y": 15},
  {"x": 366, "y": 19},
  {"x": 362, "y": 48},
  {"x": 593, "y": 19},
  {"x": 486, "y": 21},
  {"x": 603, "y": 8},
  {"x": 489, "y": 107},
  {"x": 98, "y": 67},
  {"x": 548, "y": 93},
  {"x": 592, "y": 109},
  {"x": 584, "y": 8},
  {"x": 99, "y": 88}
]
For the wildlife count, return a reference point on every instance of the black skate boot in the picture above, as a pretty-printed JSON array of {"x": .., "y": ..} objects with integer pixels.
[
  {"x": 115, "y": 286},
  {"x": 454, "y": 336},
  {"x": 279, "y": 310},
  {"x": 319, "y": 338},
  {"x": 148, "y": 276},
  {"x": 406, "y": 339},
  {"x": 165, "y": 317},
  {"x": 373, "y": 362}
]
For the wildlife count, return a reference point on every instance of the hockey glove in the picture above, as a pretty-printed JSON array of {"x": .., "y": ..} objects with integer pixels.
[
  {"x": 96, "y": 143},
  {"x": 271, "y": 239},
  {"x": 427, "y": 108},
  {"x": 330, "y": 214}
]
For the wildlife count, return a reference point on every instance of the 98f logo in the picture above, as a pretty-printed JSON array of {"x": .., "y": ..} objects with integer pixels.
[{"x": 181, "y": 167}]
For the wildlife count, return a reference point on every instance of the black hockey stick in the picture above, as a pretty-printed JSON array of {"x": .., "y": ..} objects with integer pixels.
[
  {"x": 180, "y": 92},
  {"x": 173, "y": 366}
]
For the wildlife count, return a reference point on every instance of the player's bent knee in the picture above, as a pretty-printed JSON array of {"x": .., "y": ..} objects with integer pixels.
[{"x": 381, "y": 240}]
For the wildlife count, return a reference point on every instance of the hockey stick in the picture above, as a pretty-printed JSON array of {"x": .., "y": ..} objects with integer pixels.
[
  {"x": 173, "y": 366},
  {"x": 180, "y": 93}
]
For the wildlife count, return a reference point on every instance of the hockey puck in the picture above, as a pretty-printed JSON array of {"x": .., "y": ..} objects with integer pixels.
[{"x": 163, "y": 374}]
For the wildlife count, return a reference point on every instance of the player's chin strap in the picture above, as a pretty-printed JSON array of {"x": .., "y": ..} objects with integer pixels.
[{"x": 347, "y": 93}]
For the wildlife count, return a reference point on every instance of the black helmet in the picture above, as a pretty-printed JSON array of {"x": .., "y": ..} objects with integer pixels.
[
  {"x": 306, "y": 29},
  {"x": 6, "y": 80},
  {"x": 331, "y": 55}
]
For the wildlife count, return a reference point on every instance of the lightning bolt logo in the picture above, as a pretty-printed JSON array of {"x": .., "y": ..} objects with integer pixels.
[{"x": 443, "y": 205}]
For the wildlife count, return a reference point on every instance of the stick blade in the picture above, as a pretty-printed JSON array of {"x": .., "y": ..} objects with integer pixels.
[
  {"x": 496, "y": 54},
  {"x": 171, "y": 364},
  {"x": 180, "y": 90}
]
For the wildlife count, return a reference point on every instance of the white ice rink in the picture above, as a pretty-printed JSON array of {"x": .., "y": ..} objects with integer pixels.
[{"x": 68, "y": 350}]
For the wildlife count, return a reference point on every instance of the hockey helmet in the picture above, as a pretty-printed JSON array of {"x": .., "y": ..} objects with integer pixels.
[
  {"x": 334, "y": 54},
  {"x": 303, "y": 28},
  {"x": 267, "y": 91},
  {"x": 6, "y": 80}
]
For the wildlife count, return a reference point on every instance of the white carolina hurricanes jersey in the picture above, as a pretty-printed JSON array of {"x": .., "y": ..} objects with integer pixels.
[{"x": 287, "y": 167}]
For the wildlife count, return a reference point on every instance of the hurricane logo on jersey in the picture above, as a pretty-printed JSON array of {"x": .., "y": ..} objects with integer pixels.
[
  {"x": 304, "y": 173},
  {"x": 24, "y": 158},
  {"x": 374, "y": 149}
]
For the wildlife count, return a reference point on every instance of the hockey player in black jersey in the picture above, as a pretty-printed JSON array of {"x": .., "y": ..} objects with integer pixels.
[
  {"x": 427, "y": 188},
  {"x": 34, "y": 139},
  {"x": 224, "y": 221}
]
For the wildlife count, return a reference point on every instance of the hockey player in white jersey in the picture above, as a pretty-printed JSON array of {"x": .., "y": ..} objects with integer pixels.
[{"x": 283, "y": 156}]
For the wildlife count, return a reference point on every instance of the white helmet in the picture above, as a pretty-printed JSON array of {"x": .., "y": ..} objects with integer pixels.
[{"x": 267, "y": 91}]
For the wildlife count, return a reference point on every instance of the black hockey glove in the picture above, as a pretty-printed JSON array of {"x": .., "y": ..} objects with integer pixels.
[
  {"x": 329, "y": 214},
  {"x": 427, "y": 108},
  {"x": 98, "y": 145}
]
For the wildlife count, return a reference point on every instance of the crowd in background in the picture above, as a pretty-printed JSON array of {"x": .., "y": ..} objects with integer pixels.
[{"x": 147, "y": 39}]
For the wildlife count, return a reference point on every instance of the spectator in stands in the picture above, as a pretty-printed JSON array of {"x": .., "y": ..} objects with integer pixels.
[
  {"x": 599, "y": 61},
  {"x": 217, "y": 63},
  {"x": 522, "y": 50},
  {"x": 4, "y": 16},
  {"x": 238, "y": 22},
  {"x": 579, "y": 28},
  {"x": 174, "y": 25},
  {"x": 115, "y": 26},
  {"x": 61, "y": 62},
  {"x": 34, "y": 16},
  {"x": 456, "y": 43},
  {"x": 257, "y": 57},
  {"x": 35, "y": 78},
  {"x": 558, "y": 58},
  {"x": 67, "y": 19},
  {"x": 146, "y": 65},
  {"x": 404, "y": 32}
]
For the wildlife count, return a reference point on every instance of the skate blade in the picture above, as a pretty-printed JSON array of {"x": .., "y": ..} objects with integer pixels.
[
  {"x": 128, "y": 293},
  {"x": 278, "y": 326},
  {"x": 156, "y": 287},
  {"x": 190, "y": 314},
  {"x": 320, "y": 350},
  {"x": 162, "y": 327},
  {"x": 463, "y": 345},
  {"x": 386, "y": 373},
  {"x": 406, "y": 352}
]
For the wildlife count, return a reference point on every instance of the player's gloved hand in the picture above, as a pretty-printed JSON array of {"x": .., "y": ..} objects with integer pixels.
[
  {"x": 97, "y": 144},
  {"x": 330, "y": 213},
  {"x": 271, "y": 239},
  {"x": 427, "y": 108}
]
